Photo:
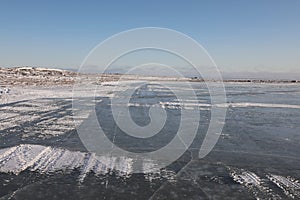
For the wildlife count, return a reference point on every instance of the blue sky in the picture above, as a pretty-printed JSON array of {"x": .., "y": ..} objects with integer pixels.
[{"x": 240, "y": 35}]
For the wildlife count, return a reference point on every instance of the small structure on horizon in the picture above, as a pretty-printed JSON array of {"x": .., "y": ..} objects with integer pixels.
[{"x": 4, "y": 91}]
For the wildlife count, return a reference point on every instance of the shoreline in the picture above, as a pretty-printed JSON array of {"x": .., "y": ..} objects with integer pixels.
[{"x": 31, "y": 76}]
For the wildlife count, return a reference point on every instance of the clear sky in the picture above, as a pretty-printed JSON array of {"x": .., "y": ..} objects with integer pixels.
[{"x": 241, "y": 35}]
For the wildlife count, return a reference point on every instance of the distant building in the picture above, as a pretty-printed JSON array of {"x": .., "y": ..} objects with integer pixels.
[{"x": 4, "y": 91}]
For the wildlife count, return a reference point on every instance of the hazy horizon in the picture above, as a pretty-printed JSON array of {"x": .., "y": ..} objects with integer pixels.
[{"x": 263, "y": 75}]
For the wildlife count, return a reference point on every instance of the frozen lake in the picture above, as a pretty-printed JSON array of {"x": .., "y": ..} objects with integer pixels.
[{"x": 256, "y": 156}]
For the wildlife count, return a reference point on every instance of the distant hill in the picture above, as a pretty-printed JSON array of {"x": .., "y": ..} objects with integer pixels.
[{"x": 38, "y": 74}]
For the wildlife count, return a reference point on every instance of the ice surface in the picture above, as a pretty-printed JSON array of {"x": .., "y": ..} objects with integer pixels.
[{"x": 257, "y": 155}]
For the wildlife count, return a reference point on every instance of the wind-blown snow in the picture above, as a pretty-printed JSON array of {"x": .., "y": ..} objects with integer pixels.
[
  {"x": 261, "y": 187},
  {"x": 45, "y": 159}
]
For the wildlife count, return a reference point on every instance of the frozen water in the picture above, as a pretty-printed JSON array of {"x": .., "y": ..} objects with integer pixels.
[{"x": 257, "y": 155}]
